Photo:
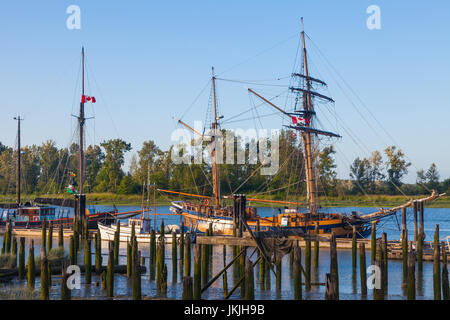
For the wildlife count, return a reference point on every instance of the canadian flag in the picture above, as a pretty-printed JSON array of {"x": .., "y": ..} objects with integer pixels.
[
  {"x": 88, "y": 99},
  {"x": 298, "y": 120}
]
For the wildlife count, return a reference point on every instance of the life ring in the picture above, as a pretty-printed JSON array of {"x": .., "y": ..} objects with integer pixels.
[
  {"x": 35, "y": 218},
  {"x": 206, "y": 202}
]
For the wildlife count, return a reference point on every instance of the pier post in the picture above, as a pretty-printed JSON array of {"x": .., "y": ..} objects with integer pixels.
[
  {"x": 437, "y": 265},
  {"x": 242, "y": 270},
  {"x": 110, "y": 271},
  {"x": 297, "y": 273},
  {"x": 385, "y": 262},
  {"x": 249, "y": 280},
  {"x": 181, "y": 249},
  {"x": 104, "y": 282},
  {"x": 187, "y": 256},
  {"x": 421, "y": 219},
  {"x": 316, "y": 248},
  {"x": 152, "y": 254},
  {"x": 72, "y": 251},
  {"x": 136, "y": 275},
  {"x": 87, "y": 260},
  {"x": 373, "y": 243},
  {"x": 61, "y": 236},
  {"x": 267, "y": 276},
  {"x": 198, "y": 271},
  {"x": 405, "y": 255},
  {"x": 129, "y": 260},
  {"x": 307, "y": 263},
  {"x": 404, "y": 218},
  {"x": 44, "y": 237},
  {"x": 362, "y": 269},
  {"x": 116, "y": 244},
  {"x": 445, "y": 283},
  {"x": 50, "y": 237},
  {"x": 411, "y": 284},
  {"x": 204, "y": 263},
  {"x": 354, "y": 258},
  {"x": 415, "y": 221},
  {"x": 174, "y": 257},
  {"x": 14, "y": 251},
  {"x": 98, "y": 252},
  {"x": 378, "y": 293},
  {"x": 44, "y": 275},
  {"x": 334, "y": 265},
  {"x": 225, "y": 278},
  {"x": 22, "y": 258},
  {"x": 188, "y": 293},
  {"x": 31, "y": 267},
  {"x": 65, "y": 292}
]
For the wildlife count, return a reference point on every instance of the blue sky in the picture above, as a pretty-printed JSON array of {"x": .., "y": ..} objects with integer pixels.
[{"x": 149, "y": 60}]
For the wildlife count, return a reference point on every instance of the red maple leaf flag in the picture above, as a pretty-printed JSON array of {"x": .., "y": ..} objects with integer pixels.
[
  {"x": 87, "y": 98},
  {"x": 299, "y": 120}
]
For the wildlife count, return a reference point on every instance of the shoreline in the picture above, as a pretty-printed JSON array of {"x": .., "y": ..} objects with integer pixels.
[{"x": 372, "y": 201}]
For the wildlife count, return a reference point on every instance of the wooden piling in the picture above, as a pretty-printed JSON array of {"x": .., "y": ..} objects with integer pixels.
[
  {"x": 420, "y": 238},
  {"x": 110, "y": 271},
  {"x": 188, "y": 293},
  {"x": 378, "y": 292},
  {"x": 242, "y": 270},
  {"x": 181, "y": 249},
  {"x": 98, "y": 252},
  {"x": 198, "y": 265},
  {"x": 116, "y": 244},
  {"x": 249, "y": 280},
  {"x": 61, "y": 236},
  {"x": 437, "y": 265},
  {"x": 87, "y": 260},
  {"x": 174, "y": 257},
  {"x": 152, "y": 263},
  {"x": 362, "y": 269},
  {"x": 445, "y": 282},
  {"x": 307, "y": 263},
  {"x": 373, "y": 243},
  {"x": 129, "y": 260},
  {"x": 297, "y": 273},
  {"x": 65, "y": 291},
  {"x": 50, "y": 237},
  {"x": 31, "y": 267},
  {"x": 14, "y": 251},
  {"x": 278, "y": 273},
  {"x": 44, "y": 236},
  {"x": 104, "y": 282},
  {"x": 267, "y": 275},
  {"x": 354, "y": 251},
  {"x": 44, "y": 275},
  {"x": 22, "y": 258},
  {"x": 225, "y": 278},
  {"x": 316, "y": 248},
  {"x": 187, "y": 256},
  {"x": 72, "y": 251},
  {"x": 411, "y": 283},
  {"x": 204, "y": 262},
  {"x": 262, "y": 274},
  {"x": 136, "y": 276},
  {"x": 334, "y": 265},
  {"x": 385, "y": 262},
  {"x": 160, "y": 263},
  {"x": 416, "y": 231},
  {"x": 405, "y": 255}
]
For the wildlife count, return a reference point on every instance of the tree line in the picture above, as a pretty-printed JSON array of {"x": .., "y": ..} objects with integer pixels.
[{"x": 46, "y": 168}]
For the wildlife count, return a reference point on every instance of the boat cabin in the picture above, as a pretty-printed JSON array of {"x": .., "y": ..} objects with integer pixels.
[{"x": 34, "y": 213}]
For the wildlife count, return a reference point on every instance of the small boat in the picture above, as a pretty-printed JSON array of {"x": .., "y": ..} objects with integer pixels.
[{"x": 142, "y": 231}]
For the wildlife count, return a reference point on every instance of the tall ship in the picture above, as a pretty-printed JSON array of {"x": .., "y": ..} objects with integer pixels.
[
  {"x": 56, "y": 211},
  {"x": 306, "y": 217}
]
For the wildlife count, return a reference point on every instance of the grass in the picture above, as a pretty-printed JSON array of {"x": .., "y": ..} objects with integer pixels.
[{"x": 341, "y": 201}]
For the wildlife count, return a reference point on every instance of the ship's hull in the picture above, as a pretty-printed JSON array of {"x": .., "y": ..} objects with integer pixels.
[
  {"x": 224, "y": 225},
  {"x": 108, "y": 233}
]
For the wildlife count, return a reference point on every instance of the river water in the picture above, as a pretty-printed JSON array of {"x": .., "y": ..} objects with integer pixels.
[{"x": 348, "y": 288}]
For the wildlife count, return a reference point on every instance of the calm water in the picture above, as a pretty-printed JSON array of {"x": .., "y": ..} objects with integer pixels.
[{"x": 348, "y": 289}]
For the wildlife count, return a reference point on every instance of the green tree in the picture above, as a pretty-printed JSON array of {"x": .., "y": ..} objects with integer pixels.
[
  {"x": 360, "y": 172},
  {"x": 396, "y": 167},
  {"x": 111, "y": 172},
  {"x": 127, "y": 186},
  {"x": 327, "y": 166},
  {"x": 432, "y": 176},
  {"x": 94, "y": 158},
  {"x": 375, "y": 170}
]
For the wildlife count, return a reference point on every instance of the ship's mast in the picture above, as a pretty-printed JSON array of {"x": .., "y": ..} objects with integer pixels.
[
  {"x": 18, "y": 159},
  {"x": 307, "y": 140},
  {"x": 215, "y": 127},
  {"x": 81, "y": 121}
]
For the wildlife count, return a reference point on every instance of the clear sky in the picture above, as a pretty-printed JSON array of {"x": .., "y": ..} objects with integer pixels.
[{"x": 149, "y": 60}]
